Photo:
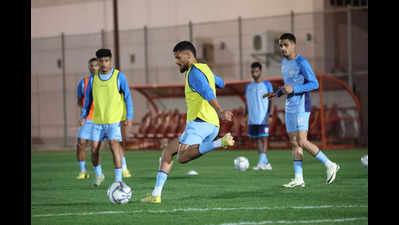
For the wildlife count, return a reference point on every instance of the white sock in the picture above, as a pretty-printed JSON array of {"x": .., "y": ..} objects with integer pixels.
[
  {"x": 328, "y": 163},
  {"x": 299, "y": 176},
  {"x": 157, "y": 191},
  {"x": 217, "y": 143}
]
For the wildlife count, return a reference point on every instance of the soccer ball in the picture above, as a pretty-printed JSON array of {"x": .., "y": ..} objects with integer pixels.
[
  {"x": 365, "y": 161},
  {"x": 119, "y": 192},
  {"x": 241, "y": 163}
]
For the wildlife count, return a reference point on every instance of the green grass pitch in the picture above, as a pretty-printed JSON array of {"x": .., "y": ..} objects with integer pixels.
[{"x": 220, "y": 194}]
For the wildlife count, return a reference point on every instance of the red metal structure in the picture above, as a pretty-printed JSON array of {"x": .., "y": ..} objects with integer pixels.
[{"x": 334, "y": 122}]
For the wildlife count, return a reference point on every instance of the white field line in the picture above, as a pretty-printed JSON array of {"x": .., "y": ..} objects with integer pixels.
[
  {"x": 198, "y": 209},
  {"x": 298, "y": 221}
]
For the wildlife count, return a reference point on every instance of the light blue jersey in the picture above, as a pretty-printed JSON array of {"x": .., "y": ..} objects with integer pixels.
[
  {"x": 258, "y": 107},
  {"x": 298, "y": 73}
]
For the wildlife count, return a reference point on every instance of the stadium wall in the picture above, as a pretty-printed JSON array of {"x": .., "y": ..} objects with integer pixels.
[{"x": 50, "y": 18}]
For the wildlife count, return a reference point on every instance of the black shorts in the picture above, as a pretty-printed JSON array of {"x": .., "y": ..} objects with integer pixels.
[{"x": 257, "y": 131}]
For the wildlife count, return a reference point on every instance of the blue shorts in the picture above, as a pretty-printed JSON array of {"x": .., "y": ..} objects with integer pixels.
[
  {"x": 197, "y": 132},
  {"x": 257, "y": 131},
  {"x": 112, "y": 131},
  {"x": 297, "y": 121},
  {"x": 85, "y": 130}
]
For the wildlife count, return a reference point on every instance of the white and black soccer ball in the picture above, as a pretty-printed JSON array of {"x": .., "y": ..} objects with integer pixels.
[
  {"x": 365, "y": 161},
  {"x": 241, "y": 163},
  {"x": 119, "y": 193}
]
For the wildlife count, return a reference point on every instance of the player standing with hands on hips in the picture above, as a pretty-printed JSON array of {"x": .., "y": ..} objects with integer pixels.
[
  {"x": 299, "y": 80},
  {"x": 110, "y": 92}
]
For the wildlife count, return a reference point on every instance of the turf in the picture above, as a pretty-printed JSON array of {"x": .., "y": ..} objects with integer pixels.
[{"x": 220, "y": 194}]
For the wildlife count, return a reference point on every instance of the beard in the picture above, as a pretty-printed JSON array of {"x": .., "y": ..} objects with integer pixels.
[
  {"x": 183, "y": 69},
  {"x": 256, "y": 77}
]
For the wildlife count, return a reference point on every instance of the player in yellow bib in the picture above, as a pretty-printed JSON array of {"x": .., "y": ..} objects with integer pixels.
[
  {"x": 109, "y": 90},
  {"x": 203, "y": 112}
]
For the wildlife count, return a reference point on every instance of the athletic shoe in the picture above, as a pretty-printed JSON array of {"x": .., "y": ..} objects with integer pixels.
[
  {"x": 98, "y": 180},
  {"x": 263, "y": 166},
  {"x": 332, "y": 172},
  {"x": 295, "y": 183},
  {"x": 152, "y": 199},
  {"x": 227, "y": 140},
  {"x": 83, "y": 175},
  {"x": 126, "y": 173}
]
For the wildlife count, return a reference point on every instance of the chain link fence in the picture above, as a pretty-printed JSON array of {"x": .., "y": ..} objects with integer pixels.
[{"x": 334, "y": 42}]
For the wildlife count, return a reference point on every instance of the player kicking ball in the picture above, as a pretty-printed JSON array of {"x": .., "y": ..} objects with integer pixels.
[
  {"x": 203, "y": 112},
  {"x": 299, "y": 80}
]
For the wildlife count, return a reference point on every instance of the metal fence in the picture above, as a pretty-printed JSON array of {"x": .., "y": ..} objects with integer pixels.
[{"x": 335, "y": 42}]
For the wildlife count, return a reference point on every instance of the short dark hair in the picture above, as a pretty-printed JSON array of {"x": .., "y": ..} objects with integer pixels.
[
  {"x": 185, "y": 45},
  {"x": 103, "y": 53},
  {"x": 92, "y": 59},
  {"x": 256, "y": 65},
  {"x": 288, "y": 36}
]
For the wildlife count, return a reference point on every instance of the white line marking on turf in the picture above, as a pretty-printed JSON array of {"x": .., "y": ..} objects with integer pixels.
[
  {"x": 198, "y": 209},
  {"x": 298, "y": 221}
]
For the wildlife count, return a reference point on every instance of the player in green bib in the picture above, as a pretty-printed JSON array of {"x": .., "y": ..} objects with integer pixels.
[{"x": 203, "y": 112}]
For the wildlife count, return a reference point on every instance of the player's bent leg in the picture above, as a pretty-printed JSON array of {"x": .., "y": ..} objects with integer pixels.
[
  {"x": 305, "y": 144},
  {"x": 167, "y": 155},
  {"x": 332, "y": 168},
  {"x": 187, "y": 153}
]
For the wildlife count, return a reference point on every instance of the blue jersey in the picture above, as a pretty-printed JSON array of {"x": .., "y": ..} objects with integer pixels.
[
  {"x": 258, "y": 107},
  {"x": 298, "y": 73},
  {"x": 81, "y": 88},
  {"x": 122, "y": 87},
  {"x": 199, "y": 83}
]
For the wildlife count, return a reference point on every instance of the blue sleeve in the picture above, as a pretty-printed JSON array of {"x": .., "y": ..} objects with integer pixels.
[
  {"x": 311, "y": 82},
  {"x": 124, "y": 88},
  {"x": 88, "y": 98},
  {"x": 219, "y": 82},
  {"x": 246, "y": 91},
  {"x": 268, "y": 86},
  {"x": 81, "y": 88},
  {"x": 199, "y": 83},
  {"x": 269, "y": 89}
]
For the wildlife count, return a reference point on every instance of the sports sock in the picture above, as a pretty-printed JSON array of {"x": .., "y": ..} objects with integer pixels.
[
  {"x": 98, "y": 170},
  {"x": 298, "y": 169},
  {"x": 82, "y": 165},
  {"x": 323, "y": 158},
  {"x": 124, "y": 165},
  {"x": 209, "y": 146},
  {"x": 118, "y": 174},
  {"x": 161, "y": 179},
  {"x": 263, "y": 158}
]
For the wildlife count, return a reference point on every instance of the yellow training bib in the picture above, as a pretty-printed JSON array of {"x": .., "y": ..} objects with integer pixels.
[
  {"x": 110, "y": 105},
  {"x": 198, "y": 107}
]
